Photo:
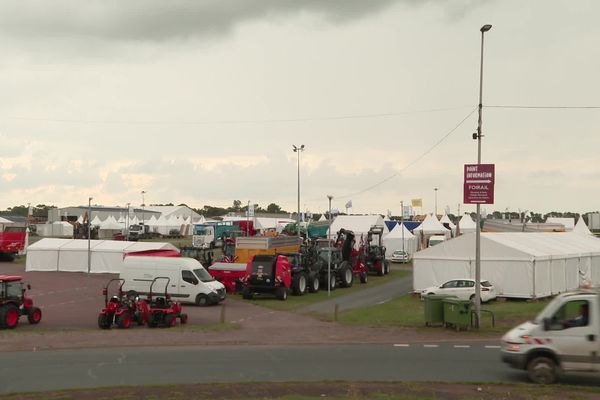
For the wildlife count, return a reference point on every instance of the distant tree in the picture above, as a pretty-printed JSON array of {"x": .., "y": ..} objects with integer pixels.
[
  {"x": 237, "y": 204},
  {"x": 41, "y": 210},
  {"x": 273, "y": 208}
]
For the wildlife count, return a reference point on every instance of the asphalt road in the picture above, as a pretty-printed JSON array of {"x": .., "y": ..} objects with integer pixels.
[
  {"x": 366, "y": 297},
  {"x": 57, "y": 370}
]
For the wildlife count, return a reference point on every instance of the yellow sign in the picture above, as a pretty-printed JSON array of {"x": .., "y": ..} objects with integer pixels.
[{"x": 417, "y": 202}]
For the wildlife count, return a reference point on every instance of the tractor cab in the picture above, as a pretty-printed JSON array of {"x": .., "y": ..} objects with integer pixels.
[
  {"x": 14, "y": 303},
  {"x": 375, "y": 252}
]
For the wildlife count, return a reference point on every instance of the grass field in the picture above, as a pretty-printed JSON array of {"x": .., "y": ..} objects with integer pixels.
[
  {"x": 408, "y": 311},
  {"x": 295, "y": 302}
]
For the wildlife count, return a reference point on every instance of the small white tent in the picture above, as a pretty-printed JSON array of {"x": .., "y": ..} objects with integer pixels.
[
  {"x": 581, "y": 227},
  {"x": 518, "y": 264},
  {"x": 393, "y": 241},
  {"x": 323, "y": 218},
  {"x": 466, "y": 224},
  {"x": 446, "y": 220},
  {"x": 359, "y": 224}
]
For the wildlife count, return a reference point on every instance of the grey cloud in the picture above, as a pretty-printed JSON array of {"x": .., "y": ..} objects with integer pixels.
[{"x": 158, "y": 20}]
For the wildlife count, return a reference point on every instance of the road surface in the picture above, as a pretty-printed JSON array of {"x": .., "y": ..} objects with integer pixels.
[{"x": 454, "y": 362}]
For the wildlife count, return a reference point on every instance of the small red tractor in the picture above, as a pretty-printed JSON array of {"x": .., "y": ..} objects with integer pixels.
[
  {"x": 375, "y": 252},
  {"x": 352, "y": 258},
  {"x": 122, "y": 309},
  {"x": 162, "y": 311},
  {"x": 267, "y": 274},
  {"x": 14, "y": 303}
]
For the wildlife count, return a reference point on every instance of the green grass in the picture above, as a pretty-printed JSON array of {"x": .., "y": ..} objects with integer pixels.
[
  {"x": 408, "y": 311},
  {"x": 296, "y": 302}
]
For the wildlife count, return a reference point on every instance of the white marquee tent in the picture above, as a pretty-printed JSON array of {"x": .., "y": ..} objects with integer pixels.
[
  {"x": 466, "y": 224},
  {"x": 359, "y": 224},
  {"x": 393, "y": 241},
  {"x": 56, "y": 229},
  {"x": 518, "y": 264},
  {"x": 72, "y": 254}
]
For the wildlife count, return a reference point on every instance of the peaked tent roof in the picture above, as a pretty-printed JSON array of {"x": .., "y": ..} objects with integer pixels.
[
  {"x": 446, "y": 220},
  {"x": 581, "y": 227},
  {"x": 323, "y": 218},
  {"x": 5, "y": 221},
  {"x": 397, "y": 232},
  {"x": 466, "y": 222},
  {"x": 431, "y": 225}
]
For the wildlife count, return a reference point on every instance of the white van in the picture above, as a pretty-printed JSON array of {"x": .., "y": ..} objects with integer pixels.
[
  {"x": 189, "y": 281},
  {"x": 565, "y": 336}
]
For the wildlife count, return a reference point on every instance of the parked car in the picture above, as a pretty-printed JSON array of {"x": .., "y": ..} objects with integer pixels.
[
  {"x": 400, "y": 256},
  {"x": 464, "y": 289}
]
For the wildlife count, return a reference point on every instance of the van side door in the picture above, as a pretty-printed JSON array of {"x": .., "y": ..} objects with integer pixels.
[
  {"x": 573, "y": 333},
  {"x": 188, "y": 285}
]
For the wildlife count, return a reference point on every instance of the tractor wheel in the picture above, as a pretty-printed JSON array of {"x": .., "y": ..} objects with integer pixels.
[
  {"x": 139, "y": 318},
  {"x": 364, "y": 277},
  {"x": 299, "y": 284},
  {"x": 9, "y": 316},
  {"x": 332, "y": 282},
  {"x": 281, "y": 293},
  {"x": 202, "y": 300},
  {"x": 104, "y": 321},
  {"x": 386, "y": 264},
  {"x": 315, "y": 284},
  {"x": 183, "y": 319},
  {"x": 247, "y": 294},
  {"x": 124, "y": 321},
  {"x": 153, "y": 320},
  {"x": 346, "y": 275},
  {"x": 170, "y": 320},
  {"x": 381, "y": 269},
  {"x": 34, "y": 316}
]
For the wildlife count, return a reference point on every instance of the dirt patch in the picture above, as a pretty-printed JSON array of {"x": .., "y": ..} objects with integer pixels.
[{"x": 337, "y": 390}]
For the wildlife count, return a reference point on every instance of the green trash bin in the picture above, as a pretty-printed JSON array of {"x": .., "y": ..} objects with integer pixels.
[
  {"x": 434, "y": 308},
  {"x": 457, "y": 313}
]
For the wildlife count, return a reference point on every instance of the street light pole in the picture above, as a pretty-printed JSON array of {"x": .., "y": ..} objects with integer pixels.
[
  {"x": 89, "y": 234},
  {"x": 127, "y": 224},
  {"x": 330, "y": 197},
  {"x": 483, "y": 29},
  {"x": 402, "y": 226},
  {"x": 435, "y": 190},
  {"x": 298, "y": 150},
  {"x": 143, "y": 211}
]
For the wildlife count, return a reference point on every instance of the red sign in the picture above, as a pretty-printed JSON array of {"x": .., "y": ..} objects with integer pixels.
[{"x": 479, "y": 184}]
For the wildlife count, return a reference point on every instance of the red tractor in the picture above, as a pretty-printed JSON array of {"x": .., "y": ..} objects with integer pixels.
[
  {"x": 122, "y": 309},
  {"x": 14, "y": 303},
  {"x": 162, "y": 311},
  {"x": 375, "y": 252},
  {"x": 352, "y": 258},
  {"x": 267, "y": 274}
]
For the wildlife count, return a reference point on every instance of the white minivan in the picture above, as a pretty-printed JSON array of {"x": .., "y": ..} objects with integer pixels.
[{"x": 189, "y": 282}]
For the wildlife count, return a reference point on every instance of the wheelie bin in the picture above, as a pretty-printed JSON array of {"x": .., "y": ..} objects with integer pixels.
[
  {"x": 434, "y": 308},
  {"x": 457, "y": 313}
]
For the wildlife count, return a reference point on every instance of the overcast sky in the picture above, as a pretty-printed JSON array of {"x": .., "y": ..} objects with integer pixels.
[{"x": 200, "y": 102}]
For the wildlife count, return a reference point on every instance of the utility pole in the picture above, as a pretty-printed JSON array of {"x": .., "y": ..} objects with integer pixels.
[
  {"x": 298, "y": 150},
  {"x": 330, "y": 197},
  {"x": 89, "y": 234}
]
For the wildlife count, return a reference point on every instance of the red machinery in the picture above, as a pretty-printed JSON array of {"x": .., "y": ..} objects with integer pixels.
[
  {"x": 355, "y": 257},
  {"x": 11, "y": 243},
  {"x": 229, "y": 274},
  {"x": 14, "y": 303},
  {"x": 267, "y": 274},
  {"x": 122, "y": 309},
  {"x": 162, "y": 310}
]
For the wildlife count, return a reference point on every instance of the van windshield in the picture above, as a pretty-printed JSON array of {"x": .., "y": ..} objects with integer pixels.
[{"x": 203, "y": 275}]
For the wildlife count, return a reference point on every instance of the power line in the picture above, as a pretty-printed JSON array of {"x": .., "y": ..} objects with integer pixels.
[
  {"x": 233, "y": 122},
  {"x": 547, "y": 107},
  {"x": 410, "y": 164}
]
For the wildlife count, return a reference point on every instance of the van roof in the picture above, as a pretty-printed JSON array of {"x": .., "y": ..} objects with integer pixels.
[{"x": 149, "y": 260}]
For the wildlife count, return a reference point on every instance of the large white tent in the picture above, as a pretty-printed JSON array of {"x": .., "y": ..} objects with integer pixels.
[
  {"x": 393, "y": 241},
  {"x": 359, "y": 224},
  {"x": 55, "y": 229},
  {"x": 72, "y": 254},
  {"x": 518, "y": 264}
]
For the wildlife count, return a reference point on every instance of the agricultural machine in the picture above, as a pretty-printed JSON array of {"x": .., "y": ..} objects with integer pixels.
[
  {"x": 332, "y": 267},
  {"x": 12, "y": 241},
  {"x": 162, "y": 311},
  {"x": 351, "y": 257},
  {"x": 14, "y": 303},
  {"x": 267, "y": 274},
  {"x": 375, "y": 252},
  {"x": 122, "y": 309}
]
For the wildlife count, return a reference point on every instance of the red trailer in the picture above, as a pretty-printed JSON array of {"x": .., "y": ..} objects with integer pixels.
[
  {"x": 11, "y": 243},
  {"x": 229, "y": 274}
]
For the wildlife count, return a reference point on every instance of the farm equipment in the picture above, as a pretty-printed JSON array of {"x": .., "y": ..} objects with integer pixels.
[
  {"x": 122, "y": 309},
  {"x": 305, "y": 273},
  {"x": 162, "y": 311},
  {"x": 267, "y": 274},
  {"x": 12, "y": 241},
  {"x": 339, "y": 273},
  {"x": 14, "y": 303},
  {"x": 247, "y": 247},
  {"x": 375, "y": 252},
  {"x": 351, "y": 257},
  {"x": 228, "y": 273}
]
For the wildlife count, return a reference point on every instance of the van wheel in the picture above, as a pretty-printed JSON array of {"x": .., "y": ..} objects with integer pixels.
[
  {"x": 202, "y": 300},
  {"x": 542, "y": 370}
]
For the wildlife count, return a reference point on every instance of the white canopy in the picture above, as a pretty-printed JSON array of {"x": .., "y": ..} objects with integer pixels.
[
  {"x": 359, "y": 224},
  {"x": 323, "y": 218},
  {"x": 393, "y": 241},
  {"x": 4, "y": 221},
  {"x": 151, "y": 221},
  {"x": 96, "y": 221},
  {"x": 581, "y": 227},
  {"x": 446, "y": 220},
  {"x": 518, "y": 264},
  {"x": 431, "y": 226},
  {"x": 72, "y": 254}
]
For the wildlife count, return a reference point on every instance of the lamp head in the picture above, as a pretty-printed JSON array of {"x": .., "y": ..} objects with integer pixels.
[
  {"x": 295, "y": 148},
  {"x": 485, "y": 28}
]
